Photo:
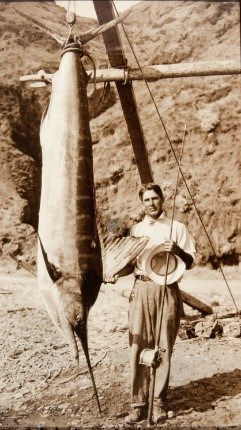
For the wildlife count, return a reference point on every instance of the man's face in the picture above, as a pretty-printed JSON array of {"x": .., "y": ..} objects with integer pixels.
[{"x": 152, "y": 204}]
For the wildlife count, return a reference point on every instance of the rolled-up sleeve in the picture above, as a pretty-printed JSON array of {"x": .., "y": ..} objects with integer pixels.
[{"x": 186, "y": 242}]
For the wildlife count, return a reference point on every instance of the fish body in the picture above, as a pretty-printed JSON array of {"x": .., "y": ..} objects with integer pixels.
[
  {"x": 67, "y": 224},
  {"x": 72, "y": 258}
]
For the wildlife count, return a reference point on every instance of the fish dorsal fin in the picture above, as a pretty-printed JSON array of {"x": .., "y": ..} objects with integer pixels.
[{"x": 117, "y": 252}]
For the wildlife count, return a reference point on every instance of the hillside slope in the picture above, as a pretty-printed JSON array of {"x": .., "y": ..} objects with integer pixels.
[{"x": 174, "y": 31}]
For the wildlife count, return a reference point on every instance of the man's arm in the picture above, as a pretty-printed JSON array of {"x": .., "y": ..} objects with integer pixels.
[
  {"x": 171, "y": 246},
  {"x": 127, "y": 270}
]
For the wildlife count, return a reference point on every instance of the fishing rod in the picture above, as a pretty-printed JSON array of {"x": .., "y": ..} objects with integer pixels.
[{"x": 153, "y": 358}]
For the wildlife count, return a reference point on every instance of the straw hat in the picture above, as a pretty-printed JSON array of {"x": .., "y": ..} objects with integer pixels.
[{"x": 155, "y": 266}]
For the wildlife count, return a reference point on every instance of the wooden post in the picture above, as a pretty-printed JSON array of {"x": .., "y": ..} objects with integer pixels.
[{"x": 116, "y": 56}]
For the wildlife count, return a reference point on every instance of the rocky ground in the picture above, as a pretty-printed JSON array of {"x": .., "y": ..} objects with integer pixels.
[{"x": 41, "y": 386}]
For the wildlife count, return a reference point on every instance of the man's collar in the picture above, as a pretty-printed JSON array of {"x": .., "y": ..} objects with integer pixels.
[{"x": 149, "y": 220}]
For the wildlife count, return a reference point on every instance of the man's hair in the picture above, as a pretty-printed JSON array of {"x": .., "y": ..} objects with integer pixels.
[{"x": 149, "y": 187}]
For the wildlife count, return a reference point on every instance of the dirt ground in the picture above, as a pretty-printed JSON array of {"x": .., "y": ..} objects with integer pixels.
[{"x": 41, "y": 387}]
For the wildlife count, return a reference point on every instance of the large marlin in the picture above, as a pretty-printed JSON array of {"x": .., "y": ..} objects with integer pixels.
[{"x": 73, "y": 258}]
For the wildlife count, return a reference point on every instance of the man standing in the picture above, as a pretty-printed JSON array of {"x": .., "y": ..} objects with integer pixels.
[{"x": 145, "y": 305}]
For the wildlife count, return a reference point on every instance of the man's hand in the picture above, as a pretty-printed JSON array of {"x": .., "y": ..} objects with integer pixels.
[
  {"x": 127, "y": 270},
  {"x": 171, "y": 246},
  {"x": 111, "y": 279}
]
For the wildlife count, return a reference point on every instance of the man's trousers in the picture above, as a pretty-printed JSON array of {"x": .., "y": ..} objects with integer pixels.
[{"x": 144, "y": 315}]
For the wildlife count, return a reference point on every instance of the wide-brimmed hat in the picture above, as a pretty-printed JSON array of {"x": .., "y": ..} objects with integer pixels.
[{"x": 155, "y": 265}]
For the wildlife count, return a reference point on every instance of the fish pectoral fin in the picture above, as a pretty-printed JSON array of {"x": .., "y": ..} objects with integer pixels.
[
  {"x": 51, "y": 307},
  {"x": 68, "y": 332},
  {"x": 56, "y": 314},
  {"x": 117, "y": 252}
]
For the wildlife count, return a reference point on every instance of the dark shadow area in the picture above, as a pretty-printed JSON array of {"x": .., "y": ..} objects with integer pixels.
[
  {"x": 201, "y": 394},
  {"x": 227, "y": 259}
]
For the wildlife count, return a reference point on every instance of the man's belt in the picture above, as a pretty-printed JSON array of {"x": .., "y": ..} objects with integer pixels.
[{"x": 143, "y": 278}]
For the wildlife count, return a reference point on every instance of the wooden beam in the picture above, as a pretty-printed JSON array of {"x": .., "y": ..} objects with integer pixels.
[
  {"x": 104, "y": 11},
  {"x": 165, "y": 71},
  {"x": 152, "y": 73},
  {"x": 195, "y": 303},
  {"x": 182, "y": 70},
  {"x": 85, "y": 38}
]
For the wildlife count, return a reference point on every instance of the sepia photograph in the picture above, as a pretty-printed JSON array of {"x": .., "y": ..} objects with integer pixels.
[{"x": 120, "y": 209}]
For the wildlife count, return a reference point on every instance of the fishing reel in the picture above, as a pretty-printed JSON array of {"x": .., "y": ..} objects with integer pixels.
[{"x": 151, "y": 357}]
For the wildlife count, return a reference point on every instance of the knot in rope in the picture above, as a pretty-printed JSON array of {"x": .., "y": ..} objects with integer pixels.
[
  {"x": 126, "y": 70},
  {"x": 72, "y": 46}
]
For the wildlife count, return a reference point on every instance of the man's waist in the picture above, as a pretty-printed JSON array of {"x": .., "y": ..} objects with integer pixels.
[{"x": 143, "y": 277}]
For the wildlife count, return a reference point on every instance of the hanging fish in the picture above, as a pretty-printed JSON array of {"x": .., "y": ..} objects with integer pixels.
[{"x": 73, "y": 258}]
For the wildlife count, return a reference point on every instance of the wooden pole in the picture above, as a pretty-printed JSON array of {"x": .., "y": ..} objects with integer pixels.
[
  {"x": 182, "y": 70},
  {"x": 195, "y": 303},
  {"x": 112, "y": 40},
  {"x": 165, "y": 71},
  {"x": 153, "y": 73}
]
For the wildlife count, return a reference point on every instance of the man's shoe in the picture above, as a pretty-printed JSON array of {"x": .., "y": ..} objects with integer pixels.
[
  {"x": 138, "y": 414},
  {"x": 159, "y": 414}
]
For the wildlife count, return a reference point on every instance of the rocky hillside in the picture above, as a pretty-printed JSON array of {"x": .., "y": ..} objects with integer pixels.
[{"x": 160, "y": 32}]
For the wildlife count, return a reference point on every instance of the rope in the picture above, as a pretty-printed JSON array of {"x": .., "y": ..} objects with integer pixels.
[
  {"x": 71, "y": 15},
  {"x": 176, "y": 159},
  {"x": 21, "y": 264},
  {"x": 94, "y": 69},
  {"x": 71, "y": 2},
  {"x": 104, "y": 95},
  {"x": 72, "y": 48},
  {"x": 71, "y": 45},
  {"x": 178, "y": 173},
  {"x": 71, "y": 20},
  {"x": 126, "y": 70}
]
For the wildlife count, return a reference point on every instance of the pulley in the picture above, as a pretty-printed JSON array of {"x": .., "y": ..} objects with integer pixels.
[
  {"x": 71, "y": 18},
  {"x": 71, "y": 14}
]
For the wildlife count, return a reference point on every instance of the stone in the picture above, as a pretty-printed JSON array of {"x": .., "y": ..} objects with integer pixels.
[{"x": 232, "y": 329}]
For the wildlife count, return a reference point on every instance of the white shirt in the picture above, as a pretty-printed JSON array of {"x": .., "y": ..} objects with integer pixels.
[{"x": 159, "y": 231}]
